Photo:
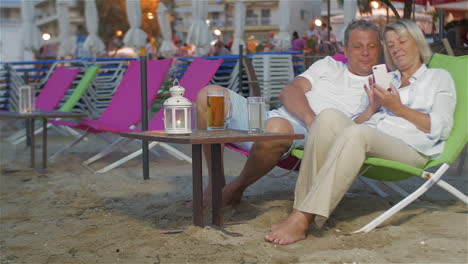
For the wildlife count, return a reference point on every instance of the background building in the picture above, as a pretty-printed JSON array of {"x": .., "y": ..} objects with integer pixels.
[
  {"x": 262, "y": 16},
  {"x": 10, "y": 25}
]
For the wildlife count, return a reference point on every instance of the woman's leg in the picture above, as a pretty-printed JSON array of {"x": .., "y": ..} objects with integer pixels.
[
  {"x": 338, "y": 172},
  {"x": 344, "y": 162}
]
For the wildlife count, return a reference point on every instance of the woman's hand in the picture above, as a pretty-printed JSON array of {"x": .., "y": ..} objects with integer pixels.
[{"x": 390, "y": 98}]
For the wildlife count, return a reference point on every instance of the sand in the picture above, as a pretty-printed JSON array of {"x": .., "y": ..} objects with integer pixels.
[{"x": 72, "y": 215}]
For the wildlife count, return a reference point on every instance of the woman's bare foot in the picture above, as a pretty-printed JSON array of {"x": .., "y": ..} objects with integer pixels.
[{"x": 292, "y": 229}]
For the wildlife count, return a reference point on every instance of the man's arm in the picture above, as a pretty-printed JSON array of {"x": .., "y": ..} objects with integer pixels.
[{"x": 294, "y": 100}]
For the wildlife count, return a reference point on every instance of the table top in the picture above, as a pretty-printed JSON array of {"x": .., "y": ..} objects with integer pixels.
[
  {"x": 209, "y": 137},
  {"x": 41, "y": 114}
]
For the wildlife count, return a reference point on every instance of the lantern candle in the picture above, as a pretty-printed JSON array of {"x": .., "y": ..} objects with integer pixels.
[{"x": 177, "y": 114}]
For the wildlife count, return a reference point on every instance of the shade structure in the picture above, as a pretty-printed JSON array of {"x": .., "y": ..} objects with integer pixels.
[
  {"x": 450, "y": 5},
  {"x": 350, "y": 8},
  {"x": 135, "y": 37},
  {"x": 239, "y": 20},
  {"x": 284, "y": 36},
  {"x": 67, "y": 46},
  {"x": 93, "y": 44},
  {"x": 442, "y": 3},
  {"x": 31, "y": 35},
  {"x": 167, "y": 49},
  {"x": 199, "y": 33}
]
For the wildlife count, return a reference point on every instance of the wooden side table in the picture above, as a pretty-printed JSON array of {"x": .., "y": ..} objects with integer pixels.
[
  {"x": 44, "y": 115},
  {"x": 215, "y": 139}
]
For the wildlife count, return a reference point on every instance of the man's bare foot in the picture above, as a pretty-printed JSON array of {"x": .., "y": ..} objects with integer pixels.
[
  {"x": 292, "y": 229},
  {"x": 231, "y": 196}
]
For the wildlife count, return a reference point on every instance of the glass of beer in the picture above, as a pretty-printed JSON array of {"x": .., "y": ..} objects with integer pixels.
[{"x": 216, "y": 115}]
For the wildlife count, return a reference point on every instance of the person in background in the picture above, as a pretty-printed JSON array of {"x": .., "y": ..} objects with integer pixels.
[
  {"x": 219, "y": 49},
  {"x": 186, "y": 50},
  {"x": 407, "y": 122},
  {"x": 313, "y": 32},
  {"x": 307, "y": 47},
  {"x": 298, "y": 44},
  {"x": 229, "y": 45},
  {"x": 252, "y": 44},
  {"x": 332, "y": 35},
  {"x": 270, "y": 42},
  {"x": 323, "y": 32}
]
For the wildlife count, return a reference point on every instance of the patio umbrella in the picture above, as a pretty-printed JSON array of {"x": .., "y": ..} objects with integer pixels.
[
  {"x": 93, "y": 44},
  {"x": 135, "y": 37},
  {"x": 167, "y": 49},
  {"x": 67, "y": 46},
  {"x": 284, "y": 36},
  {"x": 199, "y": 34},
  {"x": 239, "y": 18},
  {"x": 31, "y": 33},
  {"x": 350, "y": 8}
]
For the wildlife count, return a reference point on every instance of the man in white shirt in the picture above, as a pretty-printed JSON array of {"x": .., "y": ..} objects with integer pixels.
[
  {"x": 325, "y": 84},
  {"x": 313, "y": 32}
]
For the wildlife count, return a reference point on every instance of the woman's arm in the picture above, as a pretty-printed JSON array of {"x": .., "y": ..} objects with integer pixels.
[{"x": 391, "y": 100}]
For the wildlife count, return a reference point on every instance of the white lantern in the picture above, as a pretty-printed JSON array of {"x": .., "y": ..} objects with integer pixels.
[{"x": 177, "y": 112}]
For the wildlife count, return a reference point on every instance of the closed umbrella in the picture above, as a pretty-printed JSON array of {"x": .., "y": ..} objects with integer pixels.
[
  {"x": 284, "y": 36},
  {"x": 135, "y": 37},
  {"x": 350, "y": 8},
  {"x": 30, "y": 32},
  {"x": 239, "y": 18},
  {"x": 93, "y": 44},
  {"x": 199, "y": 34},
  {"x": 167, "y": 49},
  {"x": 67, "y": 46}
]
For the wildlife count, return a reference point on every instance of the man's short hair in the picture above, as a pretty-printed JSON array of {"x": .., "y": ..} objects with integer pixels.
[{"x": 361, "y": 25}]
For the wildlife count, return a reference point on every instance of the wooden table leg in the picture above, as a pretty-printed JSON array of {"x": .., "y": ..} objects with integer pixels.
[
  {"x": 216, "y": 184},
  {"x": 33, "y": 143},
  {"x": 197, "y": 185}
]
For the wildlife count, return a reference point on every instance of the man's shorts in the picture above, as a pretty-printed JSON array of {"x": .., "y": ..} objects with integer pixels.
[{"x": 239, "y": 120}]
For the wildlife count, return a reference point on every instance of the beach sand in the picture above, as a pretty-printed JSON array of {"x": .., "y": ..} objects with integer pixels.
[{"x": 72, "y": 215}]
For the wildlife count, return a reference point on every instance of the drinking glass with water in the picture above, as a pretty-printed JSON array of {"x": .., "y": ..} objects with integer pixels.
[{"x": 257, "y": 114}]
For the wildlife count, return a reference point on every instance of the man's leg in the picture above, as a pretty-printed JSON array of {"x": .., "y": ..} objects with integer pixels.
[
  {"x": 263, "y": 157},
  {"x": 202, "y": 109}
]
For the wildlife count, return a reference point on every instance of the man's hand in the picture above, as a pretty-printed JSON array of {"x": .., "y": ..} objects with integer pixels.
[
  {"x": 374, "y": 101},
  {"x": 309, "y": 120}
]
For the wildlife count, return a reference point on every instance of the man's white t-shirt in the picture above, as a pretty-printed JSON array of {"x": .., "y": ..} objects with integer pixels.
[{"x": 333, "y": 86}]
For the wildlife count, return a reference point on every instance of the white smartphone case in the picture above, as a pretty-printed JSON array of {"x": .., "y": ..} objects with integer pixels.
[{"x": 381, "y": 76}]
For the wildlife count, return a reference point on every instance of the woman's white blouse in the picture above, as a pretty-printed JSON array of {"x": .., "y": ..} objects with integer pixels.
[{"x": 431, "y": 91}]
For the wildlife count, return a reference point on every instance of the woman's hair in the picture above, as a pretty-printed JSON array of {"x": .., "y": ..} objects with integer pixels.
[{"x": 405, "y": 27}]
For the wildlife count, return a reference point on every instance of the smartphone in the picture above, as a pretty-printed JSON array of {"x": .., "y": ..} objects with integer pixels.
[{"x": 381, "y": 76}]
